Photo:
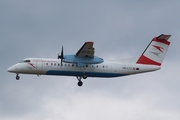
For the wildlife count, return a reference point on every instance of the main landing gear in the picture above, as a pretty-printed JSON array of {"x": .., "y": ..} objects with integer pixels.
[
  {"x": 17, "y": 77},
  {"x": 80, "y": 83}
]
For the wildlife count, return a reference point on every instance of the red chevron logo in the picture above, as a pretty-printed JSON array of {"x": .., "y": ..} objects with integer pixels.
[
  {"x": 31, "y": 65},
  {"x": 159, "y": 48}
]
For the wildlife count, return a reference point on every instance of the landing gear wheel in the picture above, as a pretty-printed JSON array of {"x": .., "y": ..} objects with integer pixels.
[
  {"x": 80, "y": 83},
  {"x": 17, "y": 77},
  {"x": 84, "y": 76}
]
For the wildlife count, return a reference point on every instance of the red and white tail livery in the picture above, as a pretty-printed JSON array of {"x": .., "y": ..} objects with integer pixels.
[
  {"x": 155, "y": 51},
  {"x": 84, "y": 64}
]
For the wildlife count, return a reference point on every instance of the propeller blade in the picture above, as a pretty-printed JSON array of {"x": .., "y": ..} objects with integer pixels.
[
  {"x": 58, "y": 56},
  {"x": 62, "y": 55},
  {"x": 61, "y": 62}
]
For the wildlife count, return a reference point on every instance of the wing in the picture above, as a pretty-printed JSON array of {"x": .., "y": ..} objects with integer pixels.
[{"x": 86, "y": 50}]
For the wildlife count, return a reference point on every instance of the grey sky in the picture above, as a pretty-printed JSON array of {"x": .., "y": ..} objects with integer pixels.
[{"x": 119, "y": 29}]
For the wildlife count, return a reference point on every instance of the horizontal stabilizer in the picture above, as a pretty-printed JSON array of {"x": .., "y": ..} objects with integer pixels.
[{"x": 163, "y": 37}]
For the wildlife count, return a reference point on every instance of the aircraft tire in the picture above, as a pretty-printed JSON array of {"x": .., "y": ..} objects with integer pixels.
[
  {"x": 80, "y": 83},
  {"x": 17, "y": 77},
  {"x": 84, "y": 76}
]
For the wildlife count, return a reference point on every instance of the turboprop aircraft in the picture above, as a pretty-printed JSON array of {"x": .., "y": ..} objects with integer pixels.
[{"x": 84, "y": 64}]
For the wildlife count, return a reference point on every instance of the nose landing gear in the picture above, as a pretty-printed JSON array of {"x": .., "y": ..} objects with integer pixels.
[{"x": 17, "y": 77}]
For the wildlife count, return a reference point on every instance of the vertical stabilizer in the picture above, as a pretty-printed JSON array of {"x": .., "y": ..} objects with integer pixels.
[{"x": 155, "y": 51}]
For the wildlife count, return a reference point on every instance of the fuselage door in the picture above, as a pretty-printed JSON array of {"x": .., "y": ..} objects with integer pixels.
[
  {"x": 39, "y": 65},
  {"x": 115, "y": 68}
]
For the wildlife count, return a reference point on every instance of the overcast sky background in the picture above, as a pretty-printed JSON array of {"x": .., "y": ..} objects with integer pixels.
[{"x": 119, "y": 29}]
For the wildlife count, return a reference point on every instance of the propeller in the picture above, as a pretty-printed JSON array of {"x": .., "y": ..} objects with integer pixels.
[{"x": 61, "y": 56}]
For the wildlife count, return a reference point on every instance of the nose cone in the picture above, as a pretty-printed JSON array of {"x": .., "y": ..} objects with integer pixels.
[{"x": 12, "y": 69}]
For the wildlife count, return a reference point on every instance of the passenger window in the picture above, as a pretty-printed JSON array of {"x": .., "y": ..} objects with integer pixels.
[
  {"x": 46, "y": 63},
  {"x": 52, "y": 64}
]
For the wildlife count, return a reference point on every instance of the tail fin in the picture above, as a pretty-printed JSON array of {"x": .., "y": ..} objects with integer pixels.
[{"x": 155, "y": 51}]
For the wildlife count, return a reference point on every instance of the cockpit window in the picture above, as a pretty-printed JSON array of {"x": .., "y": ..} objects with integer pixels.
[{"x": 25, "y": 61}]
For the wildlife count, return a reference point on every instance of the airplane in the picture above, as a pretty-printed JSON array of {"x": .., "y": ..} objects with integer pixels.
[{"x": 84, "y": 64}]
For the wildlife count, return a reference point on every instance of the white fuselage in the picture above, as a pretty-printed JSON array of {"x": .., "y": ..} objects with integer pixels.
[{"x": 42, "y": 66}]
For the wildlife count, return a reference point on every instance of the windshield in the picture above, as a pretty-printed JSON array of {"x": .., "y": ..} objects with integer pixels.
[{"x": 24, "y": 61}]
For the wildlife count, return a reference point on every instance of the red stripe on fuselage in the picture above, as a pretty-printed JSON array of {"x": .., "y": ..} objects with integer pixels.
[{"x": 144, "y": 60}]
